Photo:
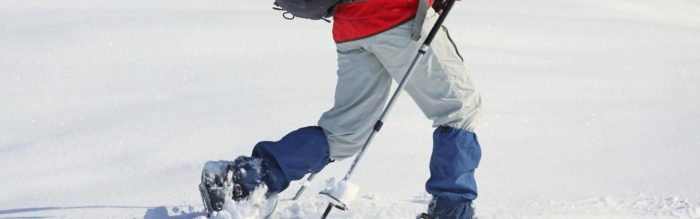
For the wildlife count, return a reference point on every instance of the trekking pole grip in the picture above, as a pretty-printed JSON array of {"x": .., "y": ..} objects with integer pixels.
[{"x": 438, "y": 23}]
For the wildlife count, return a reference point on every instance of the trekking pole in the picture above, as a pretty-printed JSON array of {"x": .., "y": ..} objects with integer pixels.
[
  {"x": 378, "y": 126},
  {"x": 303, "y": 186}
]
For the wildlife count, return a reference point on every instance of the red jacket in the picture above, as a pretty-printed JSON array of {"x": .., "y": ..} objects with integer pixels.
[{"x": 365, "y": 18}]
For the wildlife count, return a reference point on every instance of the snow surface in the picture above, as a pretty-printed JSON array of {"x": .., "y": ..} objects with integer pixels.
[
  {"x": 255, "y": 206},
  {"x": 111, "y": 108},
  {"x": 344, "y": 191}
]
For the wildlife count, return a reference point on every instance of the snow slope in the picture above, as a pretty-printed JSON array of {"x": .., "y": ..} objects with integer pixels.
[{"x": 109, "y": 108}]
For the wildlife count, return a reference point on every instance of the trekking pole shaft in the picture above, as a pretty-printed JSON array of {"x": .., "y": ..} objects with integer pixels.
[
  {"x": 327, "y": 211},
  {"x": 303, "y": 186}
]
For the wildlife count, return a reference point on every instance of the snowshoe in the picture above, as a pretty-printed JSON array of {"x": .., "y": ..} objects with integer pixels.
[
  {"x": 444, "y": 209},
  {"x": 217, "y": 185},
  {"x": 235, "y": 180}
]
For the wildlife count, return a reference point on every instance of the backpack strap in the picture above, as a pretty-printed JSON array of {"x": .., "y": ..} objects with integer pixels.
[{"x": 419, "y": 20}]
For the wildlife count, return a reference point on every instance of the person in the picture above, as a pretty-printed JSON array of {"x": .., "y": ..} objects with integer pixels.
[{"x": 374, "y": 45}]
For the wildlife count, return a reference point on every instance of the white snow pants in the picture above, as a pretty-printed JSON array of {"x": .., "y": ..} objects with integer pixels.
[{"x": 441, "y": 85}]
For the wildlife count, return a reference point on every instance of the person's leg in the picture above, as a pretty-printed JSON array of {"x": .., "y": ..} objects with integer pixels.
[
  {"x": 443, "y": 89},
  {"x": 275, "y": 164},
  {"x": 361, "y": 91},
  {"x": 296, "y": 154},
  {"x": 441, "y": 84},
  {"x": 456, "y": 155}
]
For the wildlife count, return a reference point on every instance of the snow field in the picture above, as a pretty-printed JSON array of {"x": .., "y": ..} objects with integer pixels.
[{"x": 111, "y": 108}]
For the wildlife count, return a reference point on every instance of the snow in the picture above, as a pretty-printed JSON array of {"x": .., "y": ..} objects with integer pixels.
[
  {"x": 344, "y": 191},
  {"x": 110, "y": 108},
  {"x": 216, "y": 167},
  {"x": 253, "y": 207},
  {"x": 306, "y": 183}
]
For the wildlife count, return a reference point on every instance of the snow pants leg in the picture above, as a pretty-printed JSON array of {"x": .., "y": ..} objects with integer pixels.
[
  {"x": 456, "y": 154},
  {"x": 296, "y": 154},
  {"x": 441, "y": 86}
]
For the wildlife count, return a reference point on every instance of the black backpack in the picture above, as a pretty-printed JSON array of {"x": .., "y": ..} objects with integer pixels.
[{"x": 309, "y": 9}]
